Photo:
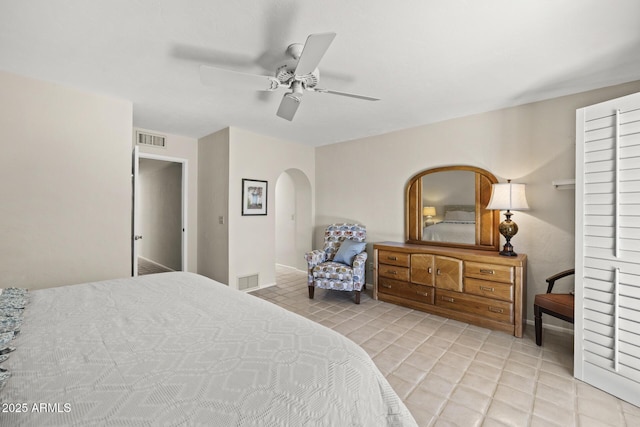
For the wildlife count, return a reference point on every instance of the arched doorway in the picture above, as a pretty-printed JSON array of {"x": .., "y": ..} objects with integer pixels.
[{"x": 294, "y": 225}]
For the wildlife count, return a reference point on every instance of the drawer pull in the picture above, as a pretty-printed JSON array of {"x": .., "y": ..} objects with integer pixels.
[
  {"x": 392, "y": 272},
  {"x": 430, "y": 270},
  {"x": 496, "y": 309},
  {"x": 438, "y": 272},
  {"x": 487, "y": 289},
  {"x": 448, "y": 299},
  {"x": 424, "y": 294},
  {"x": 484, "y": 271},
  {"x": 392, "y": 258},
  {"x": 384, "y": 285}
]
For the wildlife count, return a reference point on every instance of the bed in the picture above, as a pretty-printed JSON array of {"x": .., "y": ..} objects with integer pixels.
[
  {"x": 458, "y": 226},
  {"x": 181, "y": 349}
]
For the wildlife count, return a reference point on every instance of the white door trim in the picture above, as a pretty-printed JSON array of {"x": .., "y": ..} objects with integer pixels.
[
  {"x": 135, "y": 170},
  {"x": 185, "y": 201}
]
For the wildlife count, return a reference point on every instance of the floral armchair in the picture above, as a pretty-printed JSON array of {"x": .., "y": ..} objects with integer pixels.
[{"x": 339, "y": 266}]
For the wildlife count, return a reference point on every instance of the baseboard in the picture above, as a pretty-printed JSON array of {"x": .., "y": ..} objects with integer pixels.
[
  {"x": 554, "y": 328},
  {"x": 290, "y": 268}
]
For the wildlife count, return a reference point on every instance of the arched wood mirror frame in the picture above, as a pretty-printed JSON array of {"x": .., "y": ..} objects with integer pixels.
[{"x": 486, "y": 221}]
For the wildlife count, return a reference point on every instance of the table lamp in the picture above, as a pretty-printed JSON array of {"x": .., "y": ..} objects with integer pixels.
[
  {"x": 508, "y": 196},
  {"x": 428, "y": 212}
]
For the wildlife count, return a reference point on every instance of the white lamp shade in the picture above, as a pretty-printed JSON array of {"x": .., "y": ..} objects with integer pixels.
[
  {"x": 508, "y": 196},
  {"x": 429, "y": 211}
]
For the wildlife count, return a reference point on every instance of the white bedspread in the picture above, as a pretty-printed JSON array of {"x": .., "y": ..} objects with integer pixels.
[
  {"x": 453, "y": 232},
  {"x": 180, "y": 349}
]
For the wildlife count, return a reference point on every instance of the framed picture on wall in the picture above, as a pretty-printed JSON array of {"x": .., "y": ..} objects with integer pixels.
[{"x": 254, "y": 197}]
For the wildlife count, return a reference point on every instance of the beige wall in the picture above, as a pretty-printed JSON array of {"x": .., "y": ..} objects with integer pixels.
[
  {"x": 285, "y": 210},
  {"x": 183, "y": 148},
  {"x": 294, "y": 219},
  {"x": 213, "y": 206},
  {"x": 363, "y": 180},
  {"x": 65, "y": 190},
  {"x": 247, "y": 245},
  {"x": 252, "y": 239}
]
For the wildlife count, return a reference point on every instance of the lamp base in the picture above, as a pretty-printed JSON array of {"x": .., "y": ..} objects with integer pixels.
[
  {"x": 508, "y": 229},
  {"x": 507, "y": 250}
]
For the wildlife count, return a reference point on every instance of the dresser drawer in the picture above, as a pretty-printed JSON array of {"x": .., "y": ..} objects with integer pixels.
[
  {"x": 501, "y": 311},
  {"x": 418, "y": 293},
  {"x": 393, "y": 272},
  {"x": 484, "y": 288},
  {"x": 393, "y": 258},
  {"x": 496, "y": 273}
]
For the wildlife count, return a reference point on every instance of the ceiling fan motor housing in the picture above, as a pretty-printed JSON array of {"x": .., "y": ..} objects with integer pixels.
[{"x": 285, "y": 75}]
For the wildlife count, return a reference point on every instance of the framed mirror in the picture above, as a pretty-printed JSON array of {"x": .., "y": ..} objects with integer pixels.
[{"x": 446, "y": 206}]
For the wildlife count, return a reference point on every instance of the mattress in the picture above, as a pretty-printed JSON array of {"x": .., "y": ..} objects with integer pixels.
[{"x": 181, "y": 349}]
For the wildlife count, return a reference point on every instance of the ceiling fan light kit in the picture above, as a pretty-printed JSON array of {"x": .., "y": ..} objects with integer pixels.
[{"x": 298, "y": 74}]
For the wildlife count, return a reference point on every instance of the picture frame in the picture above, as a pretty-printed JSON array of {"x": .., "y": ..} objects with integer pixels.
[{"x": 254, "y": 197}]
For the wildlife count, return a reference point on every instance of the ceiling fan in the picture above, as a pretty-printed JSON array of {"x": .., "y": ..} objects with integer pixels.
[{"x": 299, "y": 73}]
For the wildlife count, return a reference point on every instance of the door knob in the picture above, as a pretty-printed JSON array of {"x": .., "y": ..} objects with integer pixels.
[{"x": 137, "y": 237}]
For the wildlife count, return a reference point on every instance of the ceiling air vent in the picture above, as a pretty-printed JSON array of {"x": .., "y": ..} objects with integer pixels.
[{"x": 144, "y": 138}]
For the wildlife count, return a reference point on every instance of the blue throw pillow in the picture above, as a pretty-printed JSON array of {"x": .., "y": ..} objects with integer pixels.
[{"x": 348, "y": 250}]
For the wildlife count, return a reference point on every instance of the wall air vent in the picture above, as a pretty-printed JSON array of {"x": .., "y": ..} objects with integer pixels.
[
  {"x": 144, "y": 138},
  {"x": 248, "y": 282}
]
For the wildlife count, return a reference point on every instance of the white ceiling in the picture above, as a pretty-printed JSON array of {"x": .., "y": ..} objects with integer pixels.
[{"x": 427, "y": 60}]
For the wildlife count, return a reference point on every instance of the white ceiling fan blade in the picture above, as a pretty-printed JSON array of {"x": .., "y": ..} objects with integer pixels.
[
  {"x": 314, "y": 49},
  {"x": 213, "y": 76},
  {"x": 351, "y": 95},
  {"x": 289, "y": 105}
]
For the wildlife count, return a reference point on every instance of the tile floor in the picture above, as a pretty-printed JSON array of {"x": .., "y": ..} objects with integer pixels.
[
  {"x": 451, "y": 373},
  {"x": 149, "y": 267}
]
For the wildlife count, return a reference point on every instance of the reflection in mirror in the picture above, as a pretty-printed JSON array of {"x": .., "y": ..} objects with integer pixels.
[
  {"x": 447, "y": 206},
  {"x": 449, "y": 210}
]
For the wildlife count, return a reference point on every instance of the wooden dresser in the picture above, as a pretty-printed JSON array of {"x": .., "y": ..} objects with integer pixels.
[{"x": 473, "y": 286}]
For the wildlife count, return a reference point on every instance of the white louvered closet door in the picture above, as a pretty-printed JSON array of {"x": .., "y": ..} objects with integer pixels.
[{"x": 607, "y": 324}]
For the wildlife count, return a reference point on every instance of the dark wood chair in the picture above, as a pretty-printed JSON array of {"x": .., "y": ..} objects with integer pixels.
[{"x": 557, "y": 305}]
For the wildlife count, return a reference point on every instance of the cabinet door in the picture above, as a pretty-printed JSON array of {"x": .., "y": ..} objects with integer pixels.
[
  {"x": 448, "y": 273},
  {"x": 607, "y": 247},
  {"x": 422, "y": 269}
]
